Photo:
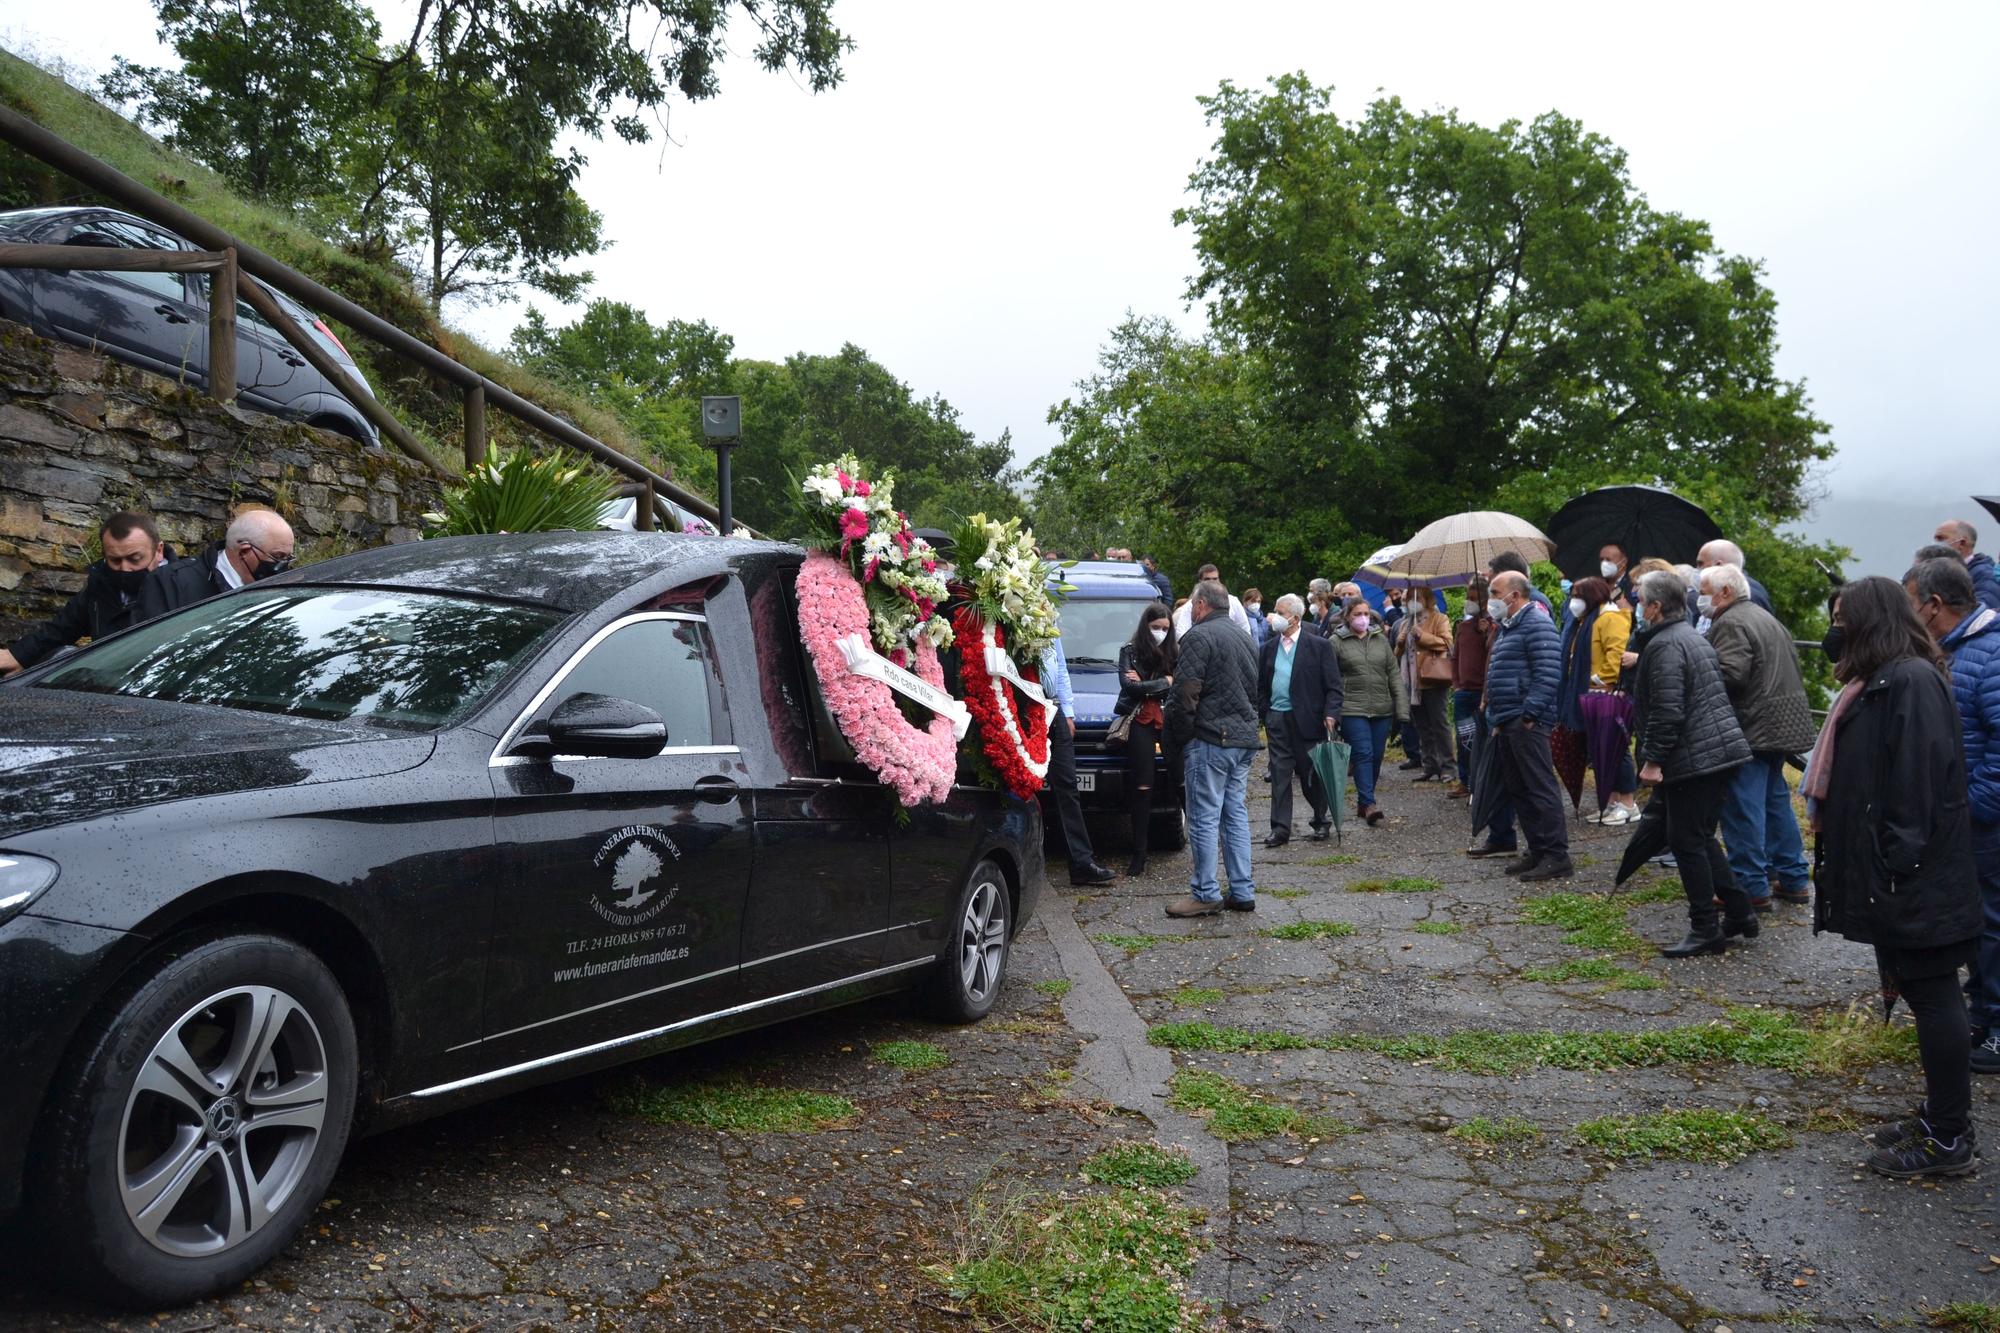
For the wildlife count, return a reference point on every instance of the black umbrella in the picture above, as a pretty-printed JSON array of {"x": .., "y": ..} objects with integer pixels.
[
  {"x": 1991, "y": 502},
  {"x": 1484, "y": 774},
  {"x": 1641, "y": 520},
  {"x": 1648, "y": 840}
]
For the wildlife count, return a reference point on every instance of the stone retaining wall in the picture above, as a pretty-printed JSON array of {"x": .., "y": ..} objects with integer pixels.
[{"x": 82, "y": 436}]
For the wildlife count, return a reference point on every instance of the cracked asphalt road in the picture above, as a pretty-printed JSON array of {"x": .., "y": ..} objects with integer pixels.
[{"x": 552, "y": 1210}]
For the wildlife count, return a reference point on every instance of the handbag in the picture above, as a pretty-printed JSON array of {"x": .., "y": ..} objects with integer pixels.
[
  {"x": 1433, "y": 668},
  {"x": 1121, "y": 729}
]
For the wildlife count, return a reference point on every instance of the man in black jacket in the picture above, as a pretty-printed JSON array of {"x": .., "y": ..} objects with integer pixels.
[
  {"x": 1215, "y": 711},
  {"x": 1298, "y": 696},
  {"x": 257, "y": 545},
  {"x": 109, "y": 600},
  {"x": 1690, "y": 746}
]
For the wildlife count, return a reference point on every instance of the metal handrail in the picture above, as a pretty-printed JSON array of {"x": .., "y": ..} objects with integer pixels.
[{"x": 480, "y": 391}]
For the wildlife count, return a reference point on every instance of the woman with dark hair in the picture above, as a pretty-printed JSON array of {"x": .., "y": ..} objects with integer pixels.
[
  {"x": 1885, "y": 793},
  {"x": 1145, "y": 675}
]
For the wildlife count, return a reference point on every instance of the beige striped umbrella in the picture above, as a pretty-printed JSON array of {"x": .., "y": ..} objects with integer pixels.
[{"x": 1449, "y": 552}]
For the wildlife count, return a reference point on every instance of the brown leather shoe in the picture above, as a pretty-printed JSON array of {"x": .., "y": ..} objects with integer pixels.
[
  {"x": 1373, "y": 814},
  {"x": 1193, "y": 906}
]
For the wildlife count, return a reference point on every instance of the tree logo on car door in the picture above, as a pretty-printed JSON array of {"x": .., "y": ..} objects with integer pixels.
[{"x": 635, "y": 888}]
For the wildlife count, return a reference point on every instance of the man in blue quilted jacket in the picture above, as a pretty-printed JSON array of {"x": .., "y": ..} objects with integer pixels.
[
  {"x": 1522, "y": 679},
  {"x": 1945, "y": 600}
]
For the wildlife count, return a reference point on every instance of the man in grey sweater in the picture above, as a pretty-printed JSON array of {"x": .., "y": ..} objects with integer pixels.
[{"x": 1214, "y": 714}]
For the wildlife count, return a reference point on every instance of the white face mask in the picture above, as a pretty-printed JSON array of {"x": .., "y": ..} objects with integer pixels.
[
  {"x": 1159, "y": 636},
  {"x": 1606, "y": 568},
  {"x": 1496, "y": 608},
  {"x": 1576, "y": 608},
  {"x": 1278, "y": 622},
  {"x": 1250, "y": 608},
  {"x": 1705, "y": 604}
]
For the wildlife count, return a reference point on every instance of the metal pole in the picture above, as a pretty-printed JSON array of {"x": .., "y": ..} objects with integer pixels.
[
  {"x": 475, "y": 426},
  {"x": 722, "y": 487},
  {"x": 222, "y": 331}
]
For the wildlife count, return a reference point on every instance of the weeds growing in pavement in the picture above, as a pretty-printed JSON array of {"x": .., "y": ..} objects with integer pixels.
[
  {"x": 1140, "y": 1164},
  {"x": 1830, "y": 1120},
  {"x": 910, "y": 1055},
  {"x": 1289, "y": 893},
  {"x": 1966, "y": 1317},
  {"x": 1401, "y": 884},
  {"x": 1337, "y": 859},
  {"x": 1660, "y": 891},
  {"x": 1438, "y": 928},
  {"x": 1699, "y": 1135},
  {"x": 1310, "y": 930},
  {"x": 1133, "y": 943},
  {"x": 1588, "y": 920},
  {"x": 1235, "y": 1114},
  {"x": 1190, "y": 995},
  {"x": 1056, "y": 986},
  {"x": 738, "y": 1107},
  {"x": 1770, "y": 1039},
  {"x": 1487, "y": 1133},
  {"x": 1593, "y": 969},
  {"x": 1115, "y": 1260}
]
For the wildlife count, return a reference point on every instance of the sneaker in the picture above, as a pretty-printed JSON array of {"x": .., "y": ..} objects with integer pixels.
[
  {"x": 1666, "y": 859},
  {"x": 1619, "y": 814},
  {"x": 1921, "y": 1154},
  {"x": 1523, "y": 863},
  {"x": 1240, "y": 904},
  {"x": 1986, "y": 1055},
  {"x": 1492, "y": 849},
  {"x": 1193, "y": 906},
  {"x": 1549, "y": 867}
]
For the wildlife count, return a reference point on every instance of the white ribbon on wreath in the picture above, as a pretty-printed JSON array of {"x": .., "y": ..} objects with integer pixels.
[
  {"x": 863, "y": 660},
  {"x": 1000, "y": 666}
]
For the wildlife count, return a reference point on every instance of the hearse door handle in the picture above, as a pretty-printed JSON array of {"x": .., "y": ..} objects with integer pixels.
[
  {"x": 173, "y": 316},
  {"x": 717, "y": 790}
]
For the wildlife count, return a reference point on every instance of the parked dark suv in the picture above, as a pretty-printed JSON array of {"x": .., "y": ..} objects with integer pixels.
[
  {"x": 159, "y": 321},
  {"x": 1098, "y": 617}
]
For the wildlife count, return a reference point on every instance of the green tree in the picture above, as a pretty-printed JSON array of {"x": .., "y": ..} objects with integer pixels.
[
  {"x": 1409, "y": 312},
  {"x": 266, "y": 92}
]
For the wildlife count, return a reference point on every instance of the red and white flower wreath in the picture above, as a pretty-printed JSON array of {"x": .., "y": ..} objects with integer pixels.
[
  {"x": 919, "y": 764},
  {"x": 1016, "y": 746}
]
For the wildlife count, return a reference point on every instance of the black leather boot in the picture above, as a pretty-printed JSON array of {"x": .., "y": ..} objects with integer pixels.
[
  {"x": 1142, "y": 828},
  {"x": 1697, "y": 943}
]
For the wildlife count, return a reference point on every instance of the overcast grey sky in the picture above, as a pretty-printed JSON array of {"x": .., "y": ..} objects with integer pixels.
[{"x": 992, "y": 187}]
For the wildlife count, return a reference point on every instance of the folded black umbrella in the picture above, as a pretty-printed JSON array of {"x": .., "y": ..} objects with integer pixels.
[
  {"x": 1484, "y": 775},
  {"x": 1648, "y": 840},
  {"x": 1641, "y": 520}
]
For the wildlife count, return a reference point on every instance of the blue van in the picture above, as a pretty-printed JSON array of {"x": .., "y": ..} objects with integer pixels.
[{"x": 1105, "y": 601}]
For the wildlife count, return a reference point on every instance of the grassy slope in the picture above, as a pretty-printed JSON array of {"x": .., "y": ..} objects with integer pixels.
[{"x": 430, "y": 409}]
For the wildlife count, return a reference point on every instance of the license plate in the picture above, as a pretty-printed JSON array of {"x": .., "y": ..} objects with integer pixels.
[{"x": 1086, "y": 782}]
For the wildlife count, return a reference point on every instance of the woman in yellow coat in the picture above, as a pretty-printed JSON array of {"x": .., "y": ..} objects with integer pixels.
[{"x": 1610, "y": 631}]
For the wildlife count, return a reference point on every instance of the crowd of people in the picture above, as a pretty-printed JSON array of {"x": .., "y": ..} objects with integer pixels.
[{"x": 1901, "y": 781}]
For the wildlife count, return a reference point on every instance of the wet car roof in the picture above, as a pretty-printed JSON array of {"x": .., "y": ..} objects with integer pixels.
[{"x": 570, "y": 571}]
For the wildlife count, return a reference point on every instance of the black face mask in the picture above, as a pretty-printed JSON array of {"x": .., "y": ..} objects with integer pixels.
[
  {"x": 1834, "y": 643},
  {"x": 127, "y": 582},
  {"x": 269, "y": 568}
]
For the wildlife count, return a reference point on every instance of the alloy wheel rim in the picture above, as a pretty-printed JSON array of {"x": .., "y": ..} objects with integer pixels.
[
  {"x": 982, "y": 941},
  {"x": 223, "y": 1121}
]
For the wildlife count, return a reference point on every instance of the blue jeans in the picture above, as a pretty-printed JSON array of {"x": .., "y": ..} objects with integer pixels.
[
  {"x": 1760, "y": 830},
  {"x": 1216, "y": 779},
  {"x": 1368, "y": 737}
]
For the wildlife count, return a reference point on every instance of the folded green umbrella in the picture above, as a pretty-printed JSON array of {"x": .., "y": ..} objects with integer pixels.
[{"x": 1329, "y": 760}]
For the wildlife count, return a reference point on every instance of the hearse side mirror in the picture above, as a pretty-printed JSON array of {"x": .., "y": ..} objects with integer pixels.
[{"x": 598, "y": 726}]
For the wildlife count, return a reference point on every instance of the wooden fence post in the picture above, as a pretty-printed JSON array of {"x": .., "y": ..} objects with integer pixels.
[
  {"x": 475, "y": 426},
  {"x": 642, "y": 517},
  {"x": 222, "y": 330}
]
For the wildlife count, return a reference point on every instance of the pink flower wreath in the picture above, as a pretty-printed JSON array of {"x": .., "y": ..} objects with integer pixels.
[{"x": 920, "y": 765}]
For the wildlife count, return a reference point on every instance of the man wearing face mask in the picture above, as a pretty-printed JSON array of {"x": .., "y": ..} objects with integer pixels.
[
  {"x": 1613, "y": 564},
  {"x": 1723, "y": 552},
  {"x": 1253, "y": 609},
  {"x": 257, "y": 546},
  {"x": 1761, "y": 670},
  {"x": 1523, "y": 676},
  {"x": 1298, "y": 696},
  {"x": 109, "y": 600}
]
